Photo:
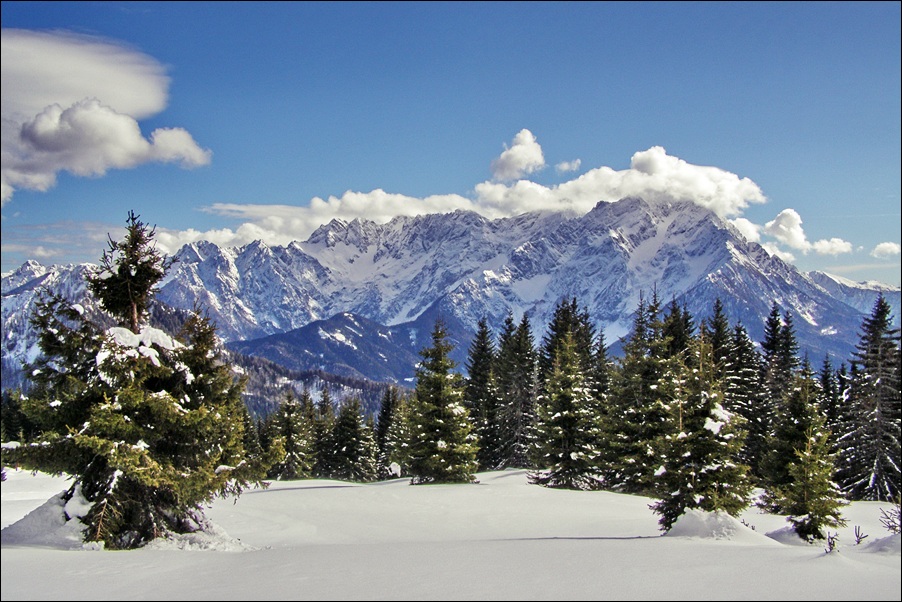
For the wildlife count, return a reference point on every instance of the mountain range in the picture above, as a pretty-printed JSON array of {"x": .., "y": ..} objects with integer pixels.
[{"x": 360, "y": 298}]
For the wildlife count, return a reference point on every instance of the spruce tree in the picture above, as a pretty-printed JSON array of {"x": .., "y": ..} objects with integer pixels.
[
  {"x": 721, "y": 337},
  {"x": 869, "y": 445},
  {"x": 323, "y": 440},
  {"x": 388, "y": 414},
  {"x": 296, "y": 433},
  {"x": 149, "y": 427},
  {"x": 638, "y": 416},
  {"x": 800, "y": 414},
  {"x": 482, "y": 398},
  {"x": 517, "y": 384},
  {"x": 700, "y": 465},
  {"x": 567, "y": 431},
  {"x": 742, "y": 395},
  {"x": 355, "y": 446},
  {"x": 442, "y": 447},
  {"x": 813, "y": 501},
  {"x": 399, "y": 438},
  {"x": 678, "y": 329}
]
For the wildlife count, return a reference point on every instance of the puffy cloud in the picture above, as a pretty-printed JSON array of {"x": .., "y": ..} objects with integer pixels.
[
  {"x": 834, "y": 246},
  {"x": 748, "y": 229},
  {"x": 787, "y": 228},
  {"x": 886, "y": 249},
  {"x": 654, "y": 175},
  {"x": 523, "y": 157},
  {"x": 71, "y": 103},
  {"x": 778, "y": 252},
  {"x": 567, "y": 166}
]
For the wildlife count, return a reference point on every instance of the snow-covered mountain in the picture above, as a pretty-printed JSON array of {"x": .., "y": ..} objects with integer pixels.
[{"x": 462, "y": 266}]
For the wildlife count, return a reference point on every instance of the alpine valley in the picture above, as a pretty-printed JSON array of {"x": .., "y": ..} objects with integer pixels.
[{"x": 360, "y": 299}]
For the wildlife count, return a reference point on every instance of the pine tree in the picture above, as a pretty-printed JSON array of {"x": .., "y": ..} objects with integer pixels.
[
  {"x": 128, "y": 273},
  {"x": 517, "y": 383},
  {"x": 399, "y": 438},
  {"x": 829, "y": 399},
  {"x": 638, "y": 416},
  {"x": 150, "y": 427},
  {"x": 567, "y": 321},
  {"x": 700, "y": 465},
  {"x": 742, "y": 395},
  {"x": 869, "y": 446},
  {"x": 388, "y": 414},
  {"x": 323, "y": 440},
  {"x": 800, "y": 415},
  {"x": 721, "y": 338},
  {"x": 482, "y": 398},
  {"x": 565, "y": 444},
  {"x": 678, "y": 329},
  {"x": 296, "y": 433},
  {"x": 813, "y": 501},
  {"x": 442, "y": 448},
  {"x": 355, "y": 446}
]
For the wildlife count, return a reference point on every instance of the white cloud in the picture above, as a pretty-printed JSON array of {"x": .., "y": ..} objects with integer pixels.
[
  {"x": 522, "y": 158},
  {"x": 654, "y": 175},
  {"x": 778, "y": 252},
  {"x": 71, "y": 103},
  {"x": 787, "y": 228},
  {"x": 749, "y": 230},
  {"x": 886, "y": 249},
  {"x": 834, "y": 246},
  {"x": 568, "y": 166}
]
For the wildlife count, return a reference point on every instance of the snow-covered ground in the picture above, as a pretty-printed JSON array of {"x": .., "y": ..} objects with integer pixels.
[{"x": 501, "y": 539}]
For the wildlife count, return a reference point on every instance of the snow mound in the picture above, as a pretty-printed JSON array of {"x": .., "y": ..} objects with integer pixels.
[
  {"x": 47, "y": 526},
  {"x": 212, "y": 538},
  {"x": 886, "y": 545},
  {"x": 699, "y": 524}
]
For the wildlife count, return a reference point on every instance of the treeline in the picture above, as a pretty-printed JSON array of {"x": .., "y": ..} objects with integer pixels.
[{"x": 694, "y": 414}]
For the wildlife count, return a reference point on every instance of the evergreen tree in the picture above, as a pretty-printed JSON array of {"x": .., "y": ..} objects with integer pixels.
[
  {"x": 869, "y": 446},
  {"x": 813, "y": 501},
  {"x": 355, "y": 446},
  {"x": 482, "y": 398},
  {"x": 398, "y": 439},
  {"x": 700, "y": 465},
  {"x": 129, "y": 271},
  {"x": 800, "y": 415},
  {"x": 324, "y": 442},
  {"x": 442, "y": 448},
  {"x": 388, "y": 414},
  {"x": 678, "y": 329},
  {"x": 742, "y": 395},
  {"x": 567, "y": 321},
  {"x": 638, "y": 416},
  {"x": 721, "y": 338},
  {"x": 565, "y": 445},
  {"x": 252, "y": 446},
  {"x": 149, "y": 427},
  {"x": 829, "y": 399},
  {"x": 517, "y": 383},
  {"x": 296, "y": 434}
]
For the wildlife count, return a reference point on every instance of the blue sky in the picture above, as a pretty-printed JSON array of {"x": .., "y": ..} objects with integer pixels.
[{"x": 236, "y": 121}]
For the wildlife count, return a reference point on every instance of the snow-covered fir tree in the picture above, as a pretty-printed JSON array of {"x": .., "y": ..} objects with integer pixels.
[
  {"x": 323, "y": 440},
  {"x": 354, "y": 444},
  {"x": 388, "y": 414},
  {"x": 869, "y": 444},
  {"x": 442, "y": 446},
  {"x": 517, "y": 384},
  {"x": 742, "y": 394},
  {"x": 700, "y": 465},
  {"x": 149, "y": 426},
  {"x": 799, "y": 415},
  {"x": 482, "y": 399},
  {"x": 813, "y": 502},
  {"x": 638, "y": 416},
  {"x": 292, "y": 421},
  {"x": 568, "y": 427}
]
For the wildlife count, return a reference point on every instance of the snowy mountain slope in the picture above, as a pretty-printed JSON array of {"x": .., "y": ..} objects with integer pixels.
[
  {"x": 462, "y": 266},
  {"x": 860, "y": 295}
]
